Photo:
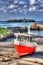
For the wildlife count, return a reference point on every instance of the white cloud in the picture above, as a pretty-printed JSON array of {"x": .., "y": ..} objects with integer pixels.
[
  {"x": 25, "y": 6},
  {"x": 3, "y": 9},
  {"x": 11, "y": 6},
  {"x": 12, "y": 11},
  {"x": 32, "y": 8},
  {"x": 32, "y": 2},
  {"x": 16, "y": 1},
  {"x": 21, "y": 11},
  {"x": 22, "y": 2},
  {"x": 39, "y": 0}
]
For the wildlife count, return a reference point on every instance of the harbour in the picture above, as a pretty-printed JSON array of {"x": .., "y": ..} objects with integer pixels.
[{"x": 21, "y": 24}]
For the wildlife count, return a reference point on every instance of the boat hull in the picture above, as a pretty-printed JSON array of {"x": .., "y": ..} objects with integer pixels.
[{"x": 24, "y": 50}]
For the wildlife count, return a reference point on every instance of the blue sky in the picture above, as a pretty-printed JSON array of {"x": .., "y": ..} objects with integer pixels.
[{"x": 32, "y": 9}]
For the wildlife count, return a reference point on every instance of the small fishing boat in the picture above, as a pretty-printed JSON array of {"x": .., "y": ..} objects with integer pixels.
[{"x": 23, "y": 45}]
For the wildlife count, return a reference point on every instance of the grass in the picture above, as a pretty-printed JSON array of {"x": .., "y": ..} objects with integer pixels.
[{"x": 3, "y": 31}]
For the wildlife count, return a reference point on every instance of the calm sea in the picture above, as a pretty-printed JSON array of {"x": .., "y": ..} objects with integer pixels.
[{"x": 5, "y": 24}]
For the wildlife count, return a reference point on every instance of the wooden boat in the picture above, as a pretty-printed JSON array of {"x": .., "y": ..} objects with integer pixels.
[{"x": 24, "y": 46}]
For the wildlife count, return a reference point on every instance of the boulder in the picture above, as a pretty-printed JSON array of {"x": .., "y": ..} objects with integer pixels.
[{"x": 36, "y": 27}]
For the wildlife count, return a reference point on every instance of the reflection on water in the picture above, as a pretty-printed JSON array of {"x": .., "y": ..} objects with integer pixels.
[{"x": 40, "y": 33}]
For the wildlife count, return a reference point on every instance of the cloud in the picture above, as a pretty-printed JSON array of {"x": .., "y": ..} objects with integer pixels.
[
  {"x": 22, "y": 2},
  {"x": 41, "y": 10},
  {"x": 25, "y": 6},
  {"x": 36, "y": 5},
  {"x": 22, "y": 6},
  {"x": 41, "y": 5},
  {"x": 25, "y": 11},
  {"x": 16, "y": 1},
  {"x": 19, "y": 8},
  {"x": 12, "y": 6},
  {"x": 40, "y": 1},
  {"x": 32, "y": 8},
  {"x": 21, "y": 11},
  {"x": 15, "y": 10},
  {"x": 4, "y": 11},
  {"x": 1, "y": 9},
  {"x": 32, "y": 2}
]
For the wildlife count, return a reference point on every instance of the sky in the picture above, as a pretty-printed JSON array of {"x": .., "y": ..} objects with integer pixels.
[{"x": 14, "y": 9}]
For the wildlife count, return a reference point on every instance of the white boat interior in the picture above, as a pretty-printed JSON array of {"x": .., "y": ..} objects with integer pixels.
[{"x": 25, "y": 41}]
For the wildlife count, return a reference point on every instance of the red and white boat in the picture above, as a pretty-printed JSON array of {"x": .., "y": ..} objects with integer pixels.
[{"x": 23, "y": 45}]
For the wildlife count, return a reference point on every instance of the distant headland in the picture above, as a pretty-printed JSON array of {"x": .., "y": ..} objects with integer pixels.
[{"x": 21, "y": 20}]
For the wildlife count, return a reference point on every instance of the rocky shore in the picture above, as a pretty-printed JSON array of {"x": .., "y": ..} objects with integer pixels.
[
  {"x": 36, "y": 27},
  {"x": 8, "y": 32},
  {"x": 8, "y": 57},
  {"x": 18, "y": 29},
  {"x": 7, "y": 35}
]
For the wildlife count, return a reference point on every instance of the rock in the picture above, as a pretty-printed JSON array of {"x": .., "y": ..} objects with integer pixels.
[
  {"x": 9, "y": 57},
  {"x": 15, "y": 63},
  {"x": 0, "y": 59},
  {"x": 36, "y": 27},
  {"x": 35, "y": 60},
  {"x": 23, "y": 62},
  {"x": 14, "y": 55},
  {"x": 10, "y": 34},
  {"x": 18, "y": 29},
  {"x": 4, "y": 35},
  {"x": 5, "y": 59}
]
